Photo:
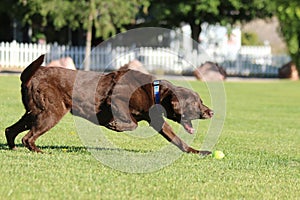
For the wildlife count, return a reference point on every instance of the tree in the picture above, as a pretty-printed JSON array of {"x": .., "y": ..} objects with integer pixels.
[
  {"x": 289, "y": 17},
  {"x": 10, "y": 14},
  {"x": 9, "y": 7},
  {"x": 170, "y": 13},
  {"x": 107, "y": 16}
]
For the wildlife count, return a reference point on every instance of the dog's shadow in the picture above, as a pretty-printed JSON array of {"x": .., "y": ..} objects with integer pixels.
[
  {"x": 73, "y": 149},
  {"x": 3, "y": 146}
]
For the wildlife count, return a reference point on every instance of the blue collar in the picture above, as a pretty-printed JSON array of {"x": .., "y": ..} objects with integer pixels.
[{"x": 156, "y": 91}]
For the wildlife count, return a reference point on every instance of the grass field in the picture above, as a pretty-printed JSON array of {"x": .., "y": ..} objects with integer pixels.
[{"x": 261, "y": 140}]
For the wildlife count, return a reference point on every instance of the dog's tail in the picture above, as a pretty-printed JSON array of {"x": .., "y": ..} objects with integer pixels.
[{"x": 31, "y": 69}]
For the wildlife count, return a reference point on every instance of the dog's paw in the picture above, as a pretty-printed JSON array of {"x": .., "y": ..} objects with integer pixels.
[
  {"x": 13, "y": 148},
  {"x": 121, "y": 126},
  {"x": 205, "y": 153}
]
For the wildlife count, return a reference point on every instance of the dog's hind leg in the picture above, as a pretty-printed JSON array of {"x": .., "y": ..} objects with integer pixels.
[
  {"x": 22, "y": 125},
  {"x": 44, "y": 121}
]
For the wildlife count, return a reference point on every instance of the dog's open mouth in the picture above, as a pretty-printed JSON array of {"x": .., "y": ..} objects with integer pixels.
[{"x": 187, "y": 124}]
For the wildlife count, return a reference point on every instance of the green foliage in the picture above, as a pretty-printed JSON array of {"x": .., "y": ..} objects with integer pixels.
[
  {"x": 38, "y": 36},
  {"x": 259, "y": 139},
  {"x": 250, "y": 39},
  {"x": 289, "y": 16},
  {"x": 232, "y": 11},
  {"x": 112, "y": 16},
  {"x": 107, "y": 16},
  {"x": 171, "y": 13}
]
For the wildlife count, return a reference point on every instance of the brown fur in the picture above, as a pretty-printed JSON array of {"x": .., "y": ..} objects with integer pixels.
[{"x": 122, "y": 98}]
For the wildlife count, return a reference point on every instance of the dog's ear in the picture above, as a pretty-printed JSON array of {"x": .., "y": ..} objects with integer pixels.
[{"x": 31, "y": 69}]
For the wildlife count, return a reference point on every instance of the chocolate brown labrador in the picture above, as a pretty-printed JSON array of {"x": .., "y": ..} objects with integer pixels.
[{"x": 117, "y": 101}]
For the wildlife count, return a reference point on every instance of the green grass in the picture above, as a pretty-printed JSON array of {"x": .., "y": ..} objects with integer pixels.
[{"x": 261, "y": 140}]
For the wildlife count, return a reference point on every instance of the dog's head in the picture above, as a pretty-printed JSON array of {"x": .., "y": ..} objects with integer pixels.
[{"x": 186, "y": 105}]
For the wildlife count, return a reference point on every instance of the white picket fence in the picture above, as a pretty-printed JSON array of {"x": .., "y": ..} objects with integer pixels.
[
  {"x": 19, "y": 55},
  {"x": 102, "y": 57},
  {"x": 250, "y": 60}
]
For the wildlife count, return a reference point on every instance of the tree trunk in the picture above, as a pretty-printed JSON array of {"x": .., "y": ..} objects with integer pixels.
[
  {"x": 88, "y": 43},
  {"x": 196, "y": 30},
  {"x": 296, "y": 60},
  {"x": 297, "y": 57}
]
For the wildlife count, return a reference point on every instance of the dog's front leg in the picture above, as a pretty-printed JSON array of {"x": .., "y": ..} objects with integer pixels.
[
  {"x": 160, "y": 125},
  {"x": 169, "y": 134}
]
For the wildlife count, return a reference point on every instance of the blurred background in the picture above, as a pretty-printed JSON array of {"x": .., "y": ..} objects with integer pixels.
[{"x": 252, "y": 38}]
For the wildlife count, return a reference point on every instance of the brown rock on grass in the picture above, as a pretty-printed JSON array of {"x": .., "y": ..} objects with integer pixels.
[
  {"x": 210, "y": 71},
  {"x": 288, "y": 71},
  {"x": 135, "y": 65},
  {"x": 66, "y": 62}
]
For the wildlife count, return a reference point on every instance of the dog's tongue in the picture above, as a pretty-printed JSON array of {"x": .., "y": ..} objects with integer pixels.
[{"x": 189, "y": 128}]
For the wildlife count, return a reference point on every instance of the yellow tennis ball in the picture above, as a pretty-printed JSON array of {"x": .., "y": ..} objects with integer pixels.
[{"x": 218, "y": 155}]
